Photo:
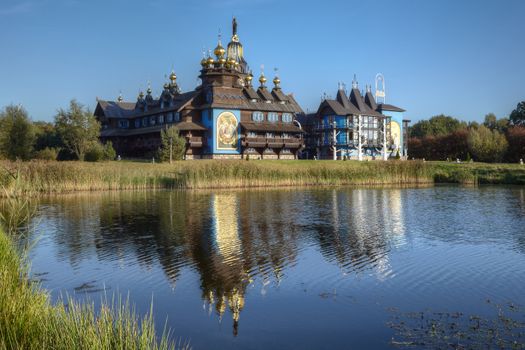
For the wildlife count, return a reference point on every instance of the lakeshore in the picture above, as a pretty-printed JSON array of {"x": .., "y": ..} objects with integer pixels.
[{"x": 50, "y": 177}]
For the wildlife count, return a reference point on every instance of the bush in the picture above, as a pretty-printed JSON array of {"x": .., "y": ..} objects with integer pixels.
[
  {"x": 487, "y": 145},
  {"x": 47, "y": 153},
  {"x": 95, "y": 153},
  {"x": 109, "y": 151},
  {"x": 17, "y": 135},
  {"x": 178, "y": 145}
]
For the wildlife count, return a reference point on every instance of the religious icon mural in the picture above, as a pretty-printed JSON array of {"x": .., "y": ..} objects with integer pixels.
[
  {"x": 395, "y": 131},
  {"x": 227, "y": 131}
]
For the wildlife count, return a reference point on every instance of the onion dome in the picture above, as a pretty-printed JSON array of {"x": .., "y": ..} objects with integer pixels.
[
  {"x": 249, "y": 79},
  {"x": 166, "y": 86},
  {"x": 141, "y": 95},
  {"x": 204, "y": 62},
  {"x": 222, "y": 61},
  {"x": 210, "y": 61},
  {"x": 276, "y": 81},
  {"x": 219, "y": 50},
  {"x": 148, "y": 91},
  {"x": 262, "y": 79},
  {"x": 173, "y": 76},
  {"x": 120, "y": 99}
]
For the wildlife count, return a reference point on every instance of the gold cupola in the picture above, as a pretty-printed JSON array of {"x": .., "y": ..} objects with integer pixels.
[
  {"x": 276, "y": 81},
  {"x": 249, "y": 79},
  {"x": 262, "y": 79},
  {"x": 204, "y": 62},
  {"x": 173, "y": 77},
  {"x": 219, "y": 50},
  {"x": 141, "y": 95}
]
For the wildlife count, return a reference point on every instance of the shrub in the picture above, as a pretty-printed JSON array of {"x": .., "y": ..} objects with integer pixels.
[
  {"x": 109, "y": 151},
  {"x": 178, "y": 145},
  {"x": 47, "y": 153},
  {"x": 17, "y": 135},
  {"x": 487, "y": 145},
  {"x": 95, "y": 153}
]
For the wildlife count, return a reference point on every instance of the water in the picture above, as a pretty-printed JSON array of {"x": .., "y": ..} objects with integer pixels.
[{"x": 287, "y": 268}]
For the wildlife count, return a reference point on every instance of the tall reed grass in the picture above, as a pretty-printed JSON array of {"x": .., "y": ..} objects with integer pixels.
[{"x": 62, "y": 177}]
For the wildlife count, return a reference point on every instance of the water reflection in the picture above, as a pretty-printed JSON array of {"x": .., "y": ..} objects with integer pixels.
[{"x": 234, "y": 240}]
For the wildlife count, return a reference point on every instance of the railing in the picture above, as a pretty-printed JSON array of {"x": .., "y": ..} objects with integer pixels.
[
  {"x": 323, "y": 127},
  {"x": 195, "y": 141}
]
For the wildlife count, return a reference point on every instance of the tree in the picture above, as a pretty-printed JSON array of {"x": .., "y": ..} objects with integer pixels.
[
  {"x": 493, "y": 123},
  {"x": 46, "y": 136},
  {"x": 172, "y": 141},
  {"x": 78, "y": 128},
  {"x": 487, "y": 145},
  {"x": 517, "y": 117},
  {"x": 17, "y": 135},
  {"x": 436, "y": 126},
  {"x": 516, "y": 139}
]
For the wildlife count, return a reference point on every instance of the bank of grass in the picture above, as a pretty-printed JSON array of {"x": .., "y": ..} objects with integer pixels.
[
  {"x": 28, "y": 320},
  {"x": 62, "y": 177}
]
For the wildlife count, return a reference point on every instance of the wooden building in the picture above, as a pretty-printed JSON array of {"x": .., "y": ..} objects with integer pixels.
[
  {"x": 355, "y": 126},
  {"x": 225, "y": 117}
]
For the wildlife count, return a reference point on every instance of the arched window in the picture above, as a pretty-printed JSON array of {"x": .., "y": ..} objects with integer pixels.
[
  {"x": 257, "y": 116},
  {"x": 273, "y": 117},
  {"x": 287, "y": 117}
]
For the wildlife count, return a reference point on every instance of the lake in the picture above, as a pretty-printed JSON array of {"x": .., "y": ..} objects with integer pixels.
[{"x": 287, "y": 268}]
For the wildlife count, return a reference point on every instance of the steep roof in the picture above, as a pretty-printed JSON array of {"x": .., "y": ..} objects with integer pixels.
[
  {"x": 370, "y": 101},
  {"x": 112, "y": 109},
  {"x": 387, "y": 107}
]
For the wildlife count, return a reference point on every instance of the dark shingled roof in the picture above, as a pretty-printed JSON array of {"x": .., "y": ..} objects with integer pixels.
[
  {"x": 250, "y": 92},
  {"x": 278, "y": 94},
  {"x": 387, "y": 107},
  {"x": 370, "y": 101},
  {"x": 112, "y": 109},
  {"x": 265, "y": 94}
]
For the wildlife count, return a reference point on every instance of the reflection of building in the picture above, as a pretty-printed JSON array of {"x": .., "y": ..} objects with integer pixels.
[
  {"x": 224, "y": 117},
  {"x": 356, "y": 126}
]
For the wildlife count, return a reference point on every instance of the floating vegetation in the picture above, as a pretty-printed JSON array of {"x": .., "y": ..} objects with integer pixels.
[{"x": 505, "y": 329}]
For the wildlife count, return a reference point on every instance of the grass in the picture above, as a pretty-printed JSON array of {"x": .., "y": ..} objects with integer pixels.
[
  {"x": 28, "y": 319},
  {"x": 39, "y": 177}
]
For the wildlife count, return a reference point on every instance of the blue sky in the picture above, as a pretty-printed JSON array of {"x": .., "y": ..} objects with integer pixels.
[{"x": 462, "y": 58}]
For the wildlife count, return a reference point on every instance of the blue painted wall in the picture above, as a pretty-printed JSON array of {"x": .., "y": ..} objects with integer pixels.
[{"x": 398, "y": 118}]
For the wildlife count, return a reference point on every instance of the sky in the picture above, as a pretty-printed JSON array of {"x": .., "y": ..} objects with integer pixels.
[{"x": 460, "y": 58}]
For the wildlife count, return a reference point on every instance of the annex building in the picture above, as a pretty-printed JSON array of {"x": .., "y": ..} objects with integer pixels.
[
  {"x": 225, "y": 117},
  {"x": 355, "y": 126}
]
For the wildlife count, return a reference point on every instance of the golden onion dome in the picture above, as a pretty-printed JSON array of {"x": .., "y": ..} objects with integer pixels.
[
  {"x": 173, "y": 76},
  {"x": 249, "y": 77},
  {"x": 148, "y": 91},
  {"x": 204, "y": 62},
  {"x": 222, "y": 61},
  {"x": 210, "y": 61},
  {"x": 141, "y": 95},
  {"x": 219, "y": 50},
  {"x": 276, "y": 80},
  {"x": 262, "y": 79},
  {"x": 166, "y": 86},
  {"x": 231, "y": 61}
]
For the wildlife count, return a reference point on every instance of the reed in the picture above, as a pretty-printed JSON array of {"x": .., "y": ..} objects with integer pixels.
[
  {"x": 41, "y": 177},
  {"x": 28, "y": 320}
]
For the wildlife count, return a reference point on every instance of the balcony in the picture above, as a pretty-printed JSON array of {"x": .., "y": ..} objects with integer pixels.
[
  {"x": 292, "y": 142},
  {"x": 254, "y": 142},
  {"x": 274, "y": 142},
  {"x": 195, "y": 141}
]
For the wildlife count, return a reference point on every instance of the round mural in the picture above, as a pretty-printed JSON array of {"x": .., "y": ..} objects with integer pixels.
[{"x": 227, "y": 131}]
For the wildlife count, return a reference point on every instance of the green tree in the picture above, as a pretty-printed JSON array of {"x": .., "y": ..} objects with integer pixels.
[
  {"x": 46, "y": 136},
  {"x": 78, "y": 128},
  {"x": 17, "y": 135},
  {"x": 487, "y": 145},
  {"x": 517, "y": 117},
  {"x": 171, "y": 139},
  {"x": 493, "y": 123},
  {"x": 437, "y": 126}
]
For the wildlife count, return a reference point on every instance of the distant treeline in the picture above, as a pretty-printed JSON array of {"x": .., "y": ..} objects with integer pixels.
[{"x": 495, "y": 140}]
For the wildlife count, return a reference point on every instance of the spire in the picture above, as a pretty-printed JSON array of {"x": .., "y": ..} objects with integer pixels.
[
  {"x": 120, "y": 99},
  {"x": 355, "y": 84}
]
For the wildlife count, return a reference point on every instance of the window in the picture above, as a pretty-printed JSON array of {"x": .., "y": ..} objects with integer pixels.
[
  {"x": 252, "y": 134},
  {"x": 285, "y": 135},
  {"x": 144, "y": 122},
  {"x": 170, "y": 117},
  {"x": 152, "y": 120},
  {"x": 137, "y": 123},
  {"x": 257, "y": 116},
  {"x": 287, "y": 117},
  {"x": 123, "y": 123},
  {"x": 269, "y": 135},
  {"x": 286, "y": 150},
  {"x": 273, "y": 117},
  {"x": 177, "y": 117},
  {"x": 161, "y": 119}
]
